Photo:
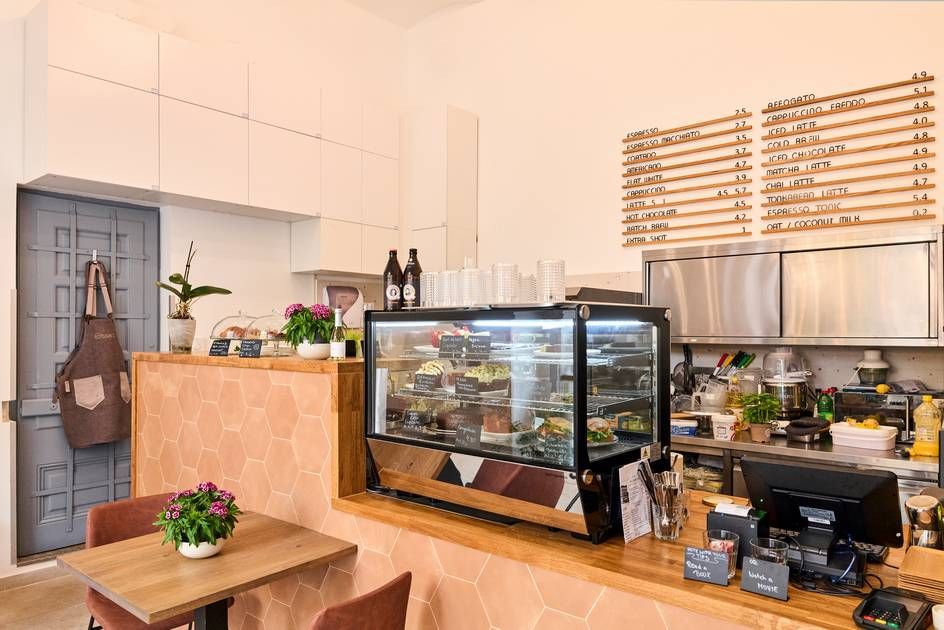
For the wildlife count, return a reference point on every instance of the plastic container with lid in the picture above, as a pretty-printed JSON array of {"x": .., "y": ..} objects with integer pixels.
[
  {"x": 783, "y": 363},
  {"x": 879, "y": 439},
  {"x": 684, "y": 427}
]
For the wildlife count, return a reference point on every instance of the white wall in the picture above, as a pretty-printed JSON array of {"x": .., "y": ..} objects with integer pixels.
[
  {"x": 329, "y": 42},
  {"x": 246, "y": 255},
  {"x": 557, "y": 83}
]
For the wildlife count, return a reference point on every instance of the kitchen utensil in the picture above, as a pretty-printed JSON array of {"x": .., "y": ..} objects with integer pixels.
[
  {"x": 720, "y": 364},
  {"x": 689, "y": 369},
  {"x": 872, "y": 369},
  {"x": 667, "y": 521},
  {"x": 807, "y": 430},
  {"x": 791, "y": 391},
  {"x": 927, "y": 519},
  {"x": 784, "y": 363}
]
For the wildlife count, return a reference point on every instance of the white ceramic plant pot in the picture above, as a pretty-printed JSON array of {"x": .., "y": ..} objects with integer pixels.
[
  {"x": 181, "y": 333},
  {"x": 203, "y": 550},
  {"x": 313, "y": 350}
]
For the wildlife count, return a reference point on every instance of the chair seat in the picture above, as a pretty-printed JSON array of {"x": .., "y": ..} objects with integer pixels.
[{"x": 111, "y": 616}]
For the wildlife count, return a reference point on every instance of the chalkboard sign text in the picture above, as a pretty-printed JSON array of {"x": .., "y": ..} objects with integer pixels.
[
  {"x": 705, "y": 565},
  {"x": 250, "y": 348},
  {"x": 219, "y": 348}
]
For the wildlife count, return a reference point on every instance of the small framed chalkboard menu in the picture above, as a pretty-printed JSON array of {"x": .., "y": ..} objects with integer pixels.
[
  {"x": 479, "y": 345},
  {"x": 414, "y": 420},
  {"x": 765, "y": 578},
  {"x": 559, "y": 449},
  {"x": 469, "y": 435},
  {"x": 250, "y": 348},
  {"x": 219, "y": 348},
  {"x": 451, "y": 346},
  {"x": 706, "y": 565},
  {"x": 427, "y": 382},
  {"x": 467, "y": 386}
]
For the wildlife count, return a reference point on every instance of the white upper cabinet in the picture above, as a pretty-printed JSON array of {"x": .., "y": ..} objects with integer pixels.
[
  {"x": 378, "y": 242},
  {"x": 431, "y": 246},
  {"x": 82, "y": 127},
  {"x": 282, "y": 95},
  {"x": 204, "y": 76},
  {"x": 381, "y": 191},
  {"x": 341, "y": 117},
  {"x": 204, "y": 153},
  {"x": 326, "y": 245},
  {"x": 341, "y": 178},
  {"x": 381, "y": 130},
  {"x": 284, "y": 170},
  {"x": 68, "y": 35}
]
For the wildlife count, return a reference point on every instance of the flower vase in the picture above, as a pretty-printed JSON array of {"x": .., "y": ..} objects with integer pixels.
[
  {"x": 181, "y": 333},
  {"x": 202, "y": 550},
  {"x": 317, "y": 350}
]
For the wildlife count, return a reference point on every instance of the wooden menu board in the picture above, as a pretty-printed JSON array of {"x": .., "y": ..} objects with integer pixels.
[
  {"x": 860, "y": 157},
  {"x": 687, "y": 183}
]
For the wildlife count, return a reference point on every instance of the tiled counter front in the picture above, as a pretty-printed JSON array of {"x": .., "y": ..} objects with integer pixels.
[{"x": 264, "y": 434}]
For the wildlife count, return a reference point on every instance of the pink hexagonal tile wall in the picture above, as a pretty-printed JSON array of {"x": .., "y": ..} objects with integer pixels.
[{"x": 263, "y": 435}]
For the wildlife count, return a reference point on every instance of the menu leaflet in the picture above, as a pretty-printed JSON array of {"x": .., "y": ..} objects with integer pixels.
[{"x": 634, "y": 502}]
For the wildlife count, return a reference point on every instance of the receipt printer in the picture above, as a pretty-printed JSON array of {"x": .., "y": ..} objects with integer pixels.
[{"x": 748, "y": 524}]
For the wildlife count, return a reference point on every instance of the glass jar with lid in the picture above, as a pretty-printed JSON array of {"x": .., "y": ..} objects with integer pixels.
[{"x": 269, "y": 328}]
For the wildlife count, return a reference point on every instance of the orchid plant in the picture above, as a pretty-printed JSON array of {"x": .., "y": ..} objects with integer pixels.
[
  {"x": 204, "y": 514},
  {"x": 312, "y": 324}
]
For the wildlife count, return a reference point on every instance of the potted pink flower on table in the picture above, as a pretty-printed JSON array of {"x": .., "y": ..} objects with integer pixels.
[
  {"x": 199, "y": 521},
  {"x": 309, "y": 329}
]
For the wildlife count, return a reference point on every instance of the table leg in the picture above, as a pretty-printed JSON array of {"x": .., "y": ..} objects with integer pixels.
[{"x": 212, "y": 616}]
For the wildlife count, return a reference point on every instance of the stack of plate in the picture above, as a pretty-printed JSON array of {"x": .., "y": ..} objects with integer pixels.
[{"x": 921, "y": 571}]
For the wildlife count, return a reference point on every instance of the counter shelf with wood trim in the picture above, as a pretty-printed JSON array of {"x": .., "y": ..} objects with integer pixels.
[{"x": 646, "y": 567}]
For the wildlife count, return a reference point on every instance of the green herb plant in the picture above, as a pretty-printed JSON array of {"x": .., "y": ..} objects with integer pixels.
[
  {"x": 186, "y": 293},
  {"x": 761, "y": 408}
]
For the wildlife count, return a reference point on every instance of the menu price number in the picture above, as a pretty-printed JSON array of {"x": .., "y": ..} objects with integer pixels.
[{"x": 704, "y": 565}]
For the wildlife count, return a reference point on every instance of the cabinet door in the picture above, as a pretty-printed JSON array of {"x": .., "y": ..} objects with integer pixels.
[
  {"x": 726, "y": 296},
  {"x": 341, "y": 117},
  {"x": 424, "y": 169},
  {"x": 204, "y": 153},
  {"x": 100, "y": 131},
  {"x": 431, "y": 247},
  {"x": 381, "y": 191},
  {"x": 341, "y": 246},
  {"x": 876, "y": 292},
  {"x": 97, "y": 44},
  {"x": 204, "y": 76},
  {"x": 341, "y": 182},
  {"x": 381, "y": 130},
  {"x": 378, "y": 242},
  {"x": 284, "y": 170},
  {"x": 285, "y": 97}
]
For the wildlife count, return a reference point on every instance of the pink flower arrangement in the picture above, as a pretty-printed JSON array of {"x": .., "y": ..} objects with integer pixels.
[
  {"x": 313, "y": 324},
  {"x": 205, "y": 514}
]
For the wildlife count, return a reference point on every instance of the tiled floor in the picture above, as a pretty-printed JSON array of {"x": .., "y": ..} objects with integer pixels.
[{"x": 25, "y": 601}]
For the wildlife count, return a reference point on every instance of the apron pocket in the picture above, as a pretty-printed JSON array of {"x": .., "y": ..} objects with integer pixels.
[
  {"x": 89, "y": 392},
  {"x": 125, "y": 386}
]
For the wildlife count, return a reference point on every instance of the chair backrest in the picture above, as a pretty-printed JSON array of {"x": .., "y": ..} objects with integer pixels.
[
  {"x": 111, "y": 522},
  {"x": 381, "y": 609}
]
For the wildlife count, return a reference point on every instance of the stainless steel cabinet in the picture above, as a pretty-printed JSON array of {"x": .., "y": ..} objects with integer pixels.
[
  {"x": 724, "y": 296},
  {"x": 859, "y": 292}
]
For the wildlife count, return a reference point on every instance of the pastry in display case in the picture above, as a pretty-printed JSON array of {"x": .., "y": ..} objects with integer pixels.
[
  {"x": 517, "y": 413},
  {"x": 234, "y": 327},
  {"x": 269, "y": 328}
]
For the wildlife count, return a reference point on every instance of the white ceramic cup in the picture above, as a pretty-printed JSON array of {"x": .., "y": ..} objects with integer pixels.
[{"x": 937, "y": 616}]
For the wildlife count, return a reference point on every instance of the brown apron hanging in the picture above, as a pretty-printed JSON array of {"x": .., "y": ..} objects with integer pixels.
[{"x": 92, "y": 388}]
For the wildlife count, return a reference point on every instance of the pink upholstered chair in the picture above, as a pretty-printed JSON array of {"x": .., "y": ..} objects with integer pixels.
[
  {"x": 381, "y": 609},
  {"x": 111, "y": 522}
]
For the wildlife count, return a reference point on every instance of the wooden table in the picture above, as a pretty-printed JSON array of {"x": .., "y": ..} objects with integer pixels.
[{"x": 154, "y": 582}]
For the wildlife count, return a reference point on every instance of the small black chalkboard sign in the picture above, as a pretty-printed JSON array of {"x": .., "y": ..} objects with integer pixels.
[
  {"x": 480, "y": 346},
  {"x": 219, "y": 348},
  {"x": 765, "y": 578},
  {"x": 427, "y": 382},
  {"x": 469, "y": 435},
  {"x": 705, "y": 565},
  {"x": 467, "y": 386},
  {"x": 250, "y": 348},
  {"x": 559, "y": 449},
  {"x": 451, "y": 345},
  {"x": 414, "y": 420}
]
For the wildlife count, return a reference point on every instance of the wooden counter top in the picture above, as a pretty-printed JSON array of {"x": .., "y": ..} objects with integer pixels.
[
  {"x": 645, "y": 567},
  {"x": 288, "y": 364}
]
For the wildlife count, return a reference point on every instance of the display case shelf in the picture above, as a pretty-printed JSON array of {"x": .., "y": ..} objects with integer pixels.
[{"x": 596, "y": 405}]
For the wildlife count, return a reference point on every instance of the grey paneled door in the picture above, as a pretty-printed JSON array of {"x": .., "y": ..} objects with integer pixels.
[{"x": 56, "y": 485}]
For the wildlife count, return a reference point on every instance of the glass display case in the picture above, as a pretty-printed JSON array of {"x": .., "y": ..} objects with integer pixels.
[{"x": 517, "y": 413}]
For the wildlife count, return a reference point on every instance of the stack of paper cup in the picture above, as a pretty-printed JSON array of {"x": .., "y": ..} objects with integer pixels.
[
  {"x": 550, "y": 281},
  {"x": 528, "y": 291},
  {"x": 469, "y": 287},
  {"x": 485, "y": 287},
  {"x": 448, "y": 289},
  {"x": 504, "y": 283},
  {"x": 428, "y": 288}
]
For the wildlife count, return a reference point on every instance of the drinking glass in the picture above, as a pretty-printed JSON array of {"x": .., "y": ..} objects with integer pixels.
[
  {"x": 724, "y": 541},
  {"x": 550, "y": 281},
  {"x": 769, "y": 549},
  {"x": 428, "y": 288},
  {"x": 666, "y": 521}
]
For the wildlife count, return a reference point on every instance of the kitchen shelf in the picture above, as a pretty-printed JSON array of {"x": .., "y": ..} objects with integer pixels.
[
  {"x": 595, "y": 360},
  {"x": 596, "y": 405}
]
